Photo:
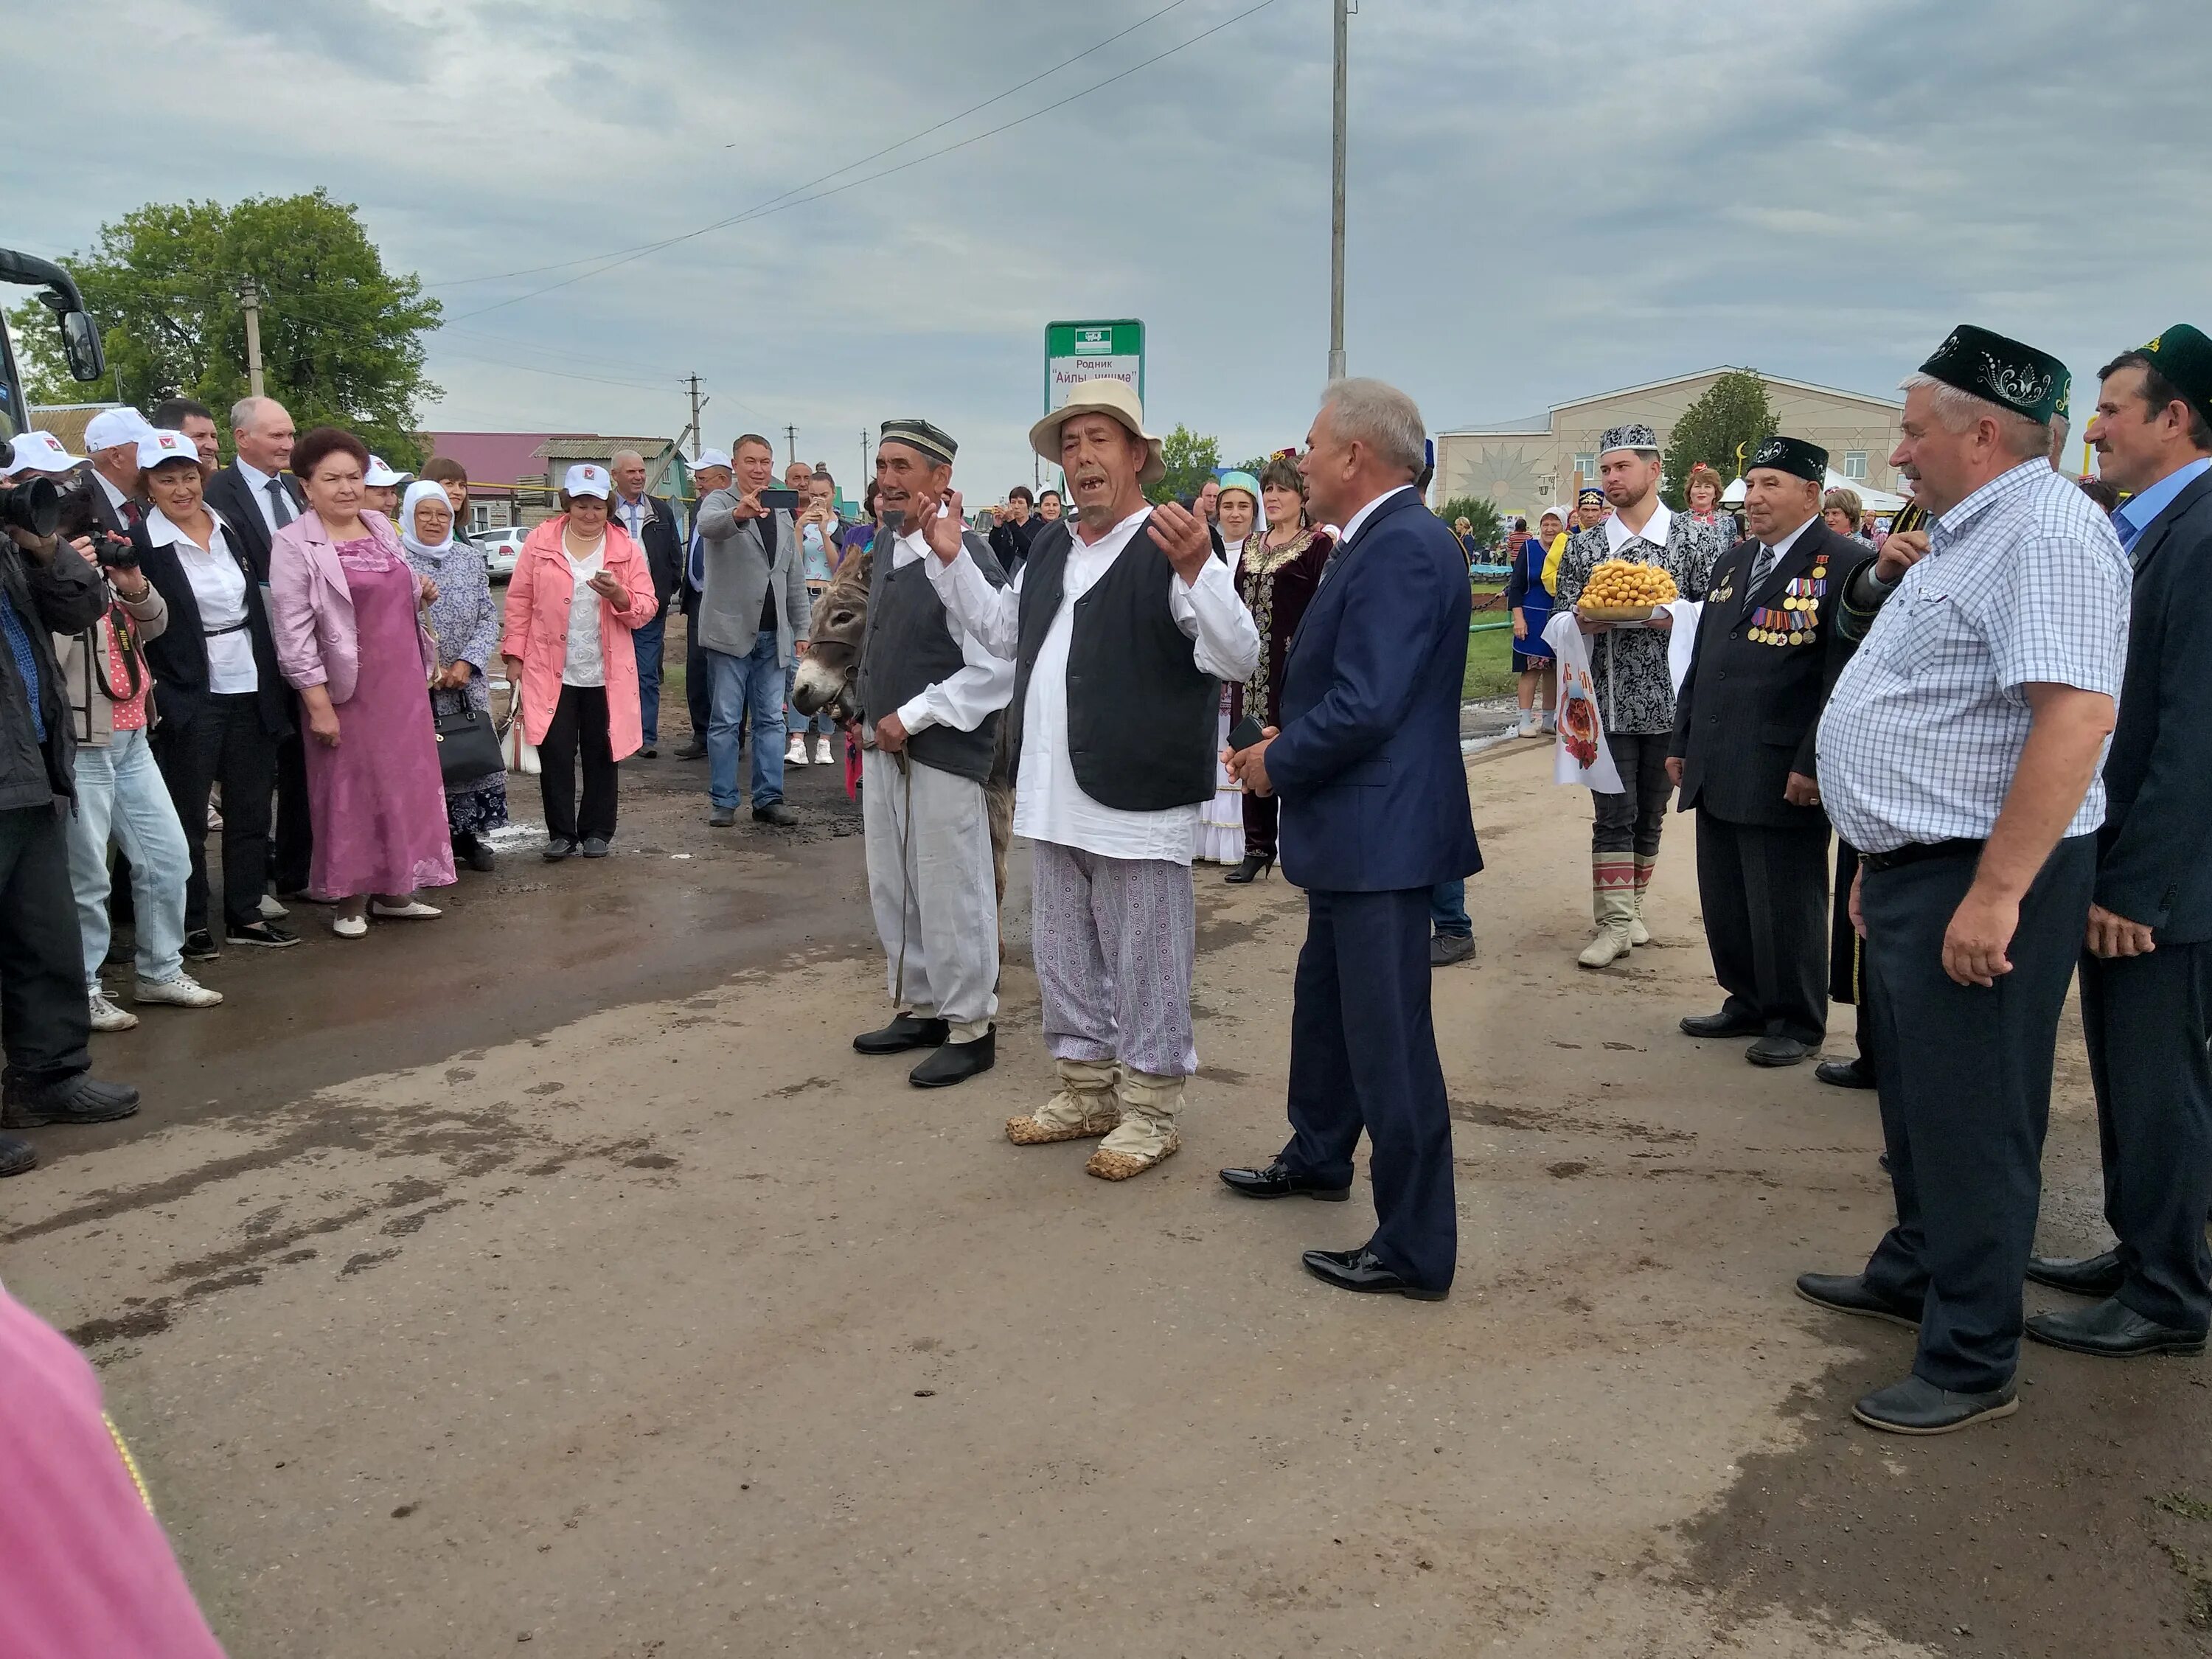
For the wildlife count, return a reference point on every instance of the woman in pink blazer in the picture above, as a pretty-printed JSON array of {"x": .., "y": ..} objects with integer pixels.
[
  {"x": 345, "y": 609},
  {"x": 579, "y": 589}
]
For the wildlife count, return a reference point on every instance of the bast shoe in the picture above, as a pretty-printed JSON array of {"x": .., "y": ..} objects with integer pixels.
[
  {"x": 1363, "y": 1270},
  {"x": 2111, "y": 1330},
  {"x": 956, "y": 1062},
  {"x": 1083, "y": 1108},
  {"x": 1917, "y": 1407},
  {"x": 80, "y": 1098},
  {"x": 1110, "y": 1164}
]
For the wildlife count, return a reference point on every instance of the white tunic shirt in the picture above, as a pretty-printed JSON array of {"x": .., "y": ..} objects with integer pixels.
[
  {"x": 218, "y": 584},
  {"x": 964, "y": 700},
  {"x": 585, "y": 663},
  {"x": 1049, "y": 805}
]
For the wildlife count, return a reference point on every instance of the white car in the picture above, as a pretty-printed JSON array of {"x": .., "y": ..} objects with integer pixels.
[{"x": 501, "y": 550}]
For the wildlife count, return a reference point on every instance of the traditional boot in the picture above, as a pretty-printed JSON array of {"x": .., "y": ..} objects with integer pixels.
[
  {"x": 1638, "y": 933},
  {"x": 1148, "y": 1134},
  {"x": 1613, "y": 881},
  {"x": 1083, "y": 1106}
]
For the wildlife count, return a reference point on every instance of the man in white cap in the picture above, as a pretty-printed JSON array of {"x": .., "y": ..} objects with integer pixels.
[
  {"x": 710, "y": 471},
  {"x": 41, "y": 451},
  {"x": 1121, "y": 626},
  {"x": 107, "y": 500}
]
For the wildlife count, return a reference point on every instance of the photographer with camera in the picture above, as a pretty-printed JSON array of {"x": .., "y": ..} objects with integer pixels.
[{"x": 46, "y": 588}]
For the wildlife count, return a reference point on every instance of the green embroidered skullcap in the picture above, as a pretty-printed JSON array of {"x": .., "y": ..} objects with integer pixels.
[
  {"x": 2183, "y": 357},
  {"x": 2001, "y": 371},
  {"x": 931, "y": 440},
  {"x": 1243, "y": 481},
  {"x": 1794, "y": 456}
]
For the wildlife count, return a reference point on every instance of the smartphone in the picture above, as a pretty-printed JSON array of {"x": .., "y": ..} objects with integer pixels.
[
  {"x": 786, "y": 499},
  {"x": 1247, "y": 732}
]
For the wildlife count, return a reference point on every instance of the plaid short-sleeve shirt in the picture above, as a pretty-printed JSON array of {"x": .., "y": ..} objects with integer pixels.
[{"x": 2024, "y": 583}]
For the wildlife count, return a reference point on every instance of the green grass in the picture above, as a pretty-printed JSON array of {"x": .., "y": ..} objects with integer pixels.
[{"x": 1489, "y": 663}]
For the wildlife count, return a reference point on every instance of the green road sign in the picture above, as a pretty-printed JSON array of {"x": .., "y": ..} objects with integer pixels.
[{"x": 1110, "y": 351}]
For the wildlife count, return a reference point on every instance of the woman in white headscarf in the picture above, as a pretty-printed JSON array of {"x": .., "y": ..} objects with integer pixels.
[
  {"x": 1221, "y": 822},
  {"x": 466, "y": 624}
]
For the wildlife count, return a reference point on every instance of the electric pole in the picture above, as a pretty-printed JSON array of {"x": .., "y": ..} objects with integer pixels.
[
  {"x": 1336, "y": 224},
  {"x": 696, "y": 434},
  {"x": 791, "y": 438},
  {"x": 866, "y": 469},
  {"x": 249, "y": 296}
]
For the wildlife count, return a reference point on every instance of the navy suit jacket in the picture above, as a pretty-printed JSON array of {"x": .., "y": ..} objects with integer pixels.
[{"x": 1367, "y": 762}]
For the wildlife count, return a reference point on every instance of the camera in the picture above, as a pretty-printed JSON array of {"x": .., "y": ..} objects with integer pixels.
[
  {"x": 34, "y": 505},
  {"x": 113, "y": 552}
]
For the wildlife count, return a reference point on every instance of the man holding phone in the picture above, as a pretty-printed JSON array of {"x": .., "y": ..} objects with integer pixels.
[{"x": 752, "y": 612}]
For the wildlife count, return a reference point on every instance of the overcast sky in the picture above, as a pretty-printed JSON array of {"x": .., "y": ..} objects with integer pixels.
[{"x": 1548, "y": 198}]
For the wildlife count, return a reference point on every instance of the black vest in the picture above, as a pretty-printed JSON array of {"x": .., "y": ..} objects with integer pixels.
[
  {"x": 908, "y": 648},
  {"x": 1140, "y": 717}
]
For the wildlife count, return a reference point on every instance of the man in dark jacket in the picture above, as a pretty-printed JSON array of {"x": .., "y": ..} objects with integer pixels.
[
  {"x": 46, "y": 588},
  {"x": 651, "y": 523},
  {"x": 1766, "y": 653},
  {"x": 2146, "y": 973}
]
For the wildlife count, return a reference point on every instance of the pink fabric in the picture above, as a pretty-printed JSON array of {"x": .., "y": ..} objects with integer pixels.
[
  {"x": 537, "y": 598},
  {"x": 311, "y": 607},
  {"x": 377, "y": 800},
  {"x": 125, "y": 713},
  {"x": 85, "y": 1570}
]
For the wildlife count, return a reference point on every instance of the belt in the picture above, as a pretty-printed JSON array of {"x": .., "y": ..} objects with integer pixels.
[
  {"x": 1919, "y": 852},
  {"x": 240, "y": 626}
]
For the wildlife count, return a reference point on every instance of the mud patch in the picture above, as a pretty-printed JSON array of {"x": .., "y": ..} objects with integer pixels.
[{"x": 368, "y": 1258}]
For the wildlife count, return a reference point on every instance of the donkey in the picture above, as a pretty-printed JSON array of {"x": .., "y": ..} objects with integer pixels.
[{"x": 829, "y": 677}]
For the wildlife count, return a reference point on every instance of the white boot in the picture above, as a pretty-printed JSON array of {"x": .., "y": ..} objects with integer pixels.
[
  {"x": 1147, "y": 1135},
  {"x": 1085, "y": 1106}
]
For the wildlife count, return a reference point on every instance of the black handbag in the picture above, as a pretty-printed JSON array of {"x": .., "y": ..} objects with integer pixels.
[{"x": 468, "y": 743}]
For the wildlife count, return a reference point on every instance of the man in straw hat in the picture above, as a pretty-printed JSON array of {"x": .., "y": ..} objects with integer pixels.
[
  {"x": 1121, "y": 627},
  {"x": 1958, "y": 754}
]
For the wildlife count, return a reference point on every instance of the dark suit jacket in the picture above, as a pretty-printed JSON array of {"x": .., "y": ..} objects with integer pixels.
[
  {"x": 2154, "y": 851},
  {"x": 663, "y": 547},
  {"x": 228, "y": 494},
  {"x": 1368, "y": 762},
  {"x": 1749, "y": 708},
  {"x": 179, "y": 658},
  {"x": 85, "y": 508}
]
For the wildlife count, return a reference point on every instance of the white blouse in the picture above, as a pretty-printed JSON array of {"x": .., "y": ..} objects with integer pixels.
[
  {"x": 586, "y": 662},
  {"x": 218, "y": 584}
]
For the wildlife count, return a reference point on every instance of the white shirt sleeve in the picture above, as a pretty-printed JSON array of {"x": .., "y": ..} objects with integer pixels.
[
  {"x": 962, "y": 700},
  {"x": 990, "y": 615},
  {"x": 1212, "y": 614}
]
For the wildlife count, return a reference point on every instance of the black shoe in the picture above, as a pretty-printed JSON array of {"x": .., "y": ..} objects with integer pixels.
[
  {"x": 1848, "y": 1293},
  {"x": 80, "y": 1098},
  {"x": 777, "y": 813},
  {"x": 200, "y": 946},
  {"x": 905, "y": 1032},
  {"x": 1445, "y": 948},
  {"x": 1363, "y": 1270},
  {"x": 2111, "y": 1330},
  {"x": 1248, "y": 871},
  {"x": 1845, "y": 1074},
  {"x": 651, "y": 751},
  {"x": 1778, "y": 1051},
  {"x": 722, "y": 817},
  {"x": 121, "y": 953},
  {"x": 956, "y": 1062},
  {"x": 479, "y": 857},
  {"x": 594, "y": 847},
  {"x": 269, "y": 935},
  {"x": 1277, "y": 1180},
  {"x": 557, "y": 849},
  {"x": 1915, "y": 1407},
  {"x": 1723, "y": 1024},
  {"x": 2083, "y": 1275},
  {"x": 694, "y": 750},
  {"x": 17, "y": 1155}
]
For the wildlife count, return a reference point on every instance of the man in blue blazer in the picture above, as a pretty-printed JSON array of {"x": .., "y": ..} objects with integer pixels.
[{"x": 1375, "y": 814}]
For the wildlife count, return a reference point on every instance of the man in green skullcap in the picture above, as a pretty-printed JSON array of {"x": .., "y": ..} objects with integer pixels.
[
  {"x": 2147, "y": 972},
  {"x": 1958, "y": 753}
]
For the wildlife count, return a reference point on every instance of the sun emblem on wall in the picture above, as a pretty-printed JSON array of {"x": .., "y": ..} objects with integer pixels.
[{"x": 1501, "y": 475}]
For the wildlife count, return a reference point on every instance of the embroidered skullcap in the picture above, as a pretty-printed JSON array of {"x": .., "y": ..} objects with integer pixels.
[
  {"x": 2182, "y": 355},
  {"x": 1589, "y": 492},
  {"x": 931, "y": 440},
  {"x": 1634, "y": 435},
  {"x": 2002, "y": 372},
  {"x": 1794, "y": 456}
]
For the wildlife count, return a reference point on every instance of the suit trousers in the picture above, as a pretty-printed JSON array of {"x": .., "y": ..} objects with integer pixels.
[
  {"x": 1765, "y": 895},
  {"x": 292, "y": 848},
  {"x": 225, "y": 744},
  {"x": 1964, "y": 1072},
  {"x": 1632, "y": 821},
  {"x": 2146, "y": 1020},
  {"x": 1363, "y": 1056},
  {"x": 45, "y": 1016},
  {"x": 578, "y": 729}
]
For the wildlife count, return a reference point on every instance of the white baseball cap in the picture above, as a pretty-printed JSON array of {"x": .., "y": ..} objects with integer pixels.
[
  {"x": 42, "y": 452},
  {"x": 379, "y": 476},
  {"x": 707, "y": 457},
  {"x": 159, "y": 445},
  {"x": 111, "y": 427},
  {"x": 586, "y": 479}
]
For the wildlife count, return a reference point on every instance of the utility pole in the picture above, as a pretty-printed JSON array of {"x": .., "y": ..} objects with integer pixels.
[
  {"x": 695, "y": 432},
  {"x": 249, "y": 296},
  {"x": 791, "y": 438},
  {"x": 867, "y": 469},
  {"x": 1336, "y": 194}
]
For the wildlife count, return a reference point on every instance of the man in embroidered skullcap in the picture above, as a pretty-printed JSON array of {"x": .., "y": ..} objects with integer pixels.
[
  {"x": 1635, "y": 686},
  {"x": 1959, "y": 754},
  {"x": 2146, "y": 973},
  {"x": 1767, "y": 651},
  {"x": 1589, "y": 509},
  {"x": 930, "y": 693}
]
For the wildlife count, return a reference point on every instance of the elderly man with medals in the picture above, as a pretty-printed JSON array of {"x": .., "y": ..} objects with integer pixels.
[
  {"x": 1121, "y": 626},
  {"x": 1767, "y": 650}
]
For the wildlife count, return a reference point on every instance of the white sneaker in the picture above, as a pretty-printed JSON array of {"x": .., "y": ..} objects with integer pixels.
[
  {"x": 270, "y": 910},
  {"x": 182, "y": 992},
  {"x": 349, "y": 926},
  {"x": 1530, "y": 727},
  {"x": 822, "y": 751},
  {"x": 106, "y": 1017},
  {"x": 794, "y": 752},
  {"x": 413, "y": 910}
]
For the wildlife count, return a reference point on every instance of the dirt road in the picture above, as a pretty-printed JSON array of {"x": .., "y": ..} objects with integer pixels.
[{"x": 556, "y": 1274}]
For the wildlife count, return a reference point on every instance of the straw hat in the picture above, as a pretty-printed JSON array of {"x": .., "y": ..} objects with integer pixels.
[{"x": 1115, "y": 399}]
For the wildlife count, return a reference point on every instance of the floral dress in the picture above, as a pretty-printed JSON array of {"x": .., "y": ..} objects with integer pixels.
[
  {"x": 1276, "y": 584},
  {"x": 466, "y": 623}
]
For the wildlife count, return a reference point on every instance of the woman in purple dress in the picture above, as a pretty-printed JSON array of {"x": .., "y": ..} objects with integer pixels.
[{"x": 346, "y": 611}]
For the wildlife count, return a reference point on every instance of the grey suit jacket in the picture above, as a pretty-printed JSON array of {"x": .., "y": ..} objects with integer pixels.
[{"x": 740, "y": 573}]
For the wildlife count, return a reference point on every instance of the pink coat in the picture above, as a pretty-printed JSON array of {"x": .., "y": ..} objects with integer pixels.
[
  {"x": 538, "y": 596},
  {"x": 311, "y": 607}
]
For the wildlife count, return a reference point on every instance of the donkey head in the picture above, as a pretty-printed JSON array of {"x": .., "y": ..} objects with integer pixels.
[{"x": 829, "y": 673}]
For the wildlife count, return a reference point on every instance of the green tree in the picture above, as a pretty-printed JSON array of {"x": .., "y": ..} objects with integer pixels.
[
  {"x": 1481, "y": 512},
  {"x": 1191, "y": 460},
  {"x": 1733, "y": 411},
  {"x": 341, "y": 337}
]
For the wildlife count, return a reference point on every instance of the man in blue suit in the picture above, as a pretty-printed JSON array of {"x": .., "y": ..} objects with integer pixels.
[{"x": 1375, "y": 814}]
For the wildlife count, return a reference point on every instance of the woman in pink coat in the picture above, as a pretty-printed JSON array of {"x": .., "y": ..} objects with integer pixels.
[{"x": 579, "y": 589}]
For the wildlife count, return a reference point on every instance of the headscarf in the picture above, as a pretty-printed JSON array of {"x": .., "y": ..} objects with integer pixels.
[
  {"x": 1551, "y": 576},
  {"x": 416, "y": 494}
]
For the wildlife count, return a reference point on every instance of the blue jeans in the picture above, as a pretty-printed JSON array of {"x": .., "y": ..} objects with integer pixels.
[
  {"x": 1448, "y": 908},
  {"x": 121, "y": 797},
  {"x": 754, "y": 679},
  {"x": 646, "y": 643}
]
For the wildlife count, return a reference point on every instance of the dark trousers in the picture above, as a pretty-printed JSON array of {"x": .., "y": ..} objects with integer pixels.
[
  {"x": 292, "y": 849},
  {"x": 2146, "y": 1019},
  {"x": 1965, "y": 1078},
  {"x": 1364, "y": 1055},
  {"x": 646, "y": 643},
  {"x": 579, "y": 727},
  {"x": 44, "y": 1023},
  {"x": 1765, "y": 895},
  {"x": 225, "y": 744},
  {"x": 1261, "y": 814},
  {"x": 698, "y": 690},
  {"x": 1630, "y": 821}
]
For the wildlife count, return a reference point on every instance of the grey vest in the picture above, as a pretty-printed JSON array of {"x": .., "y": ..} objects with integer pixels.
[{"x": 908, "y": 648}]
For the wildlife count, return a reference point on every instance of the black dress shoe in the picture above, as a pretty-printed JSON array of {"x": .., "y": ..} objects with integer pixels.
[
  {"x": 777, "y": 813},
  {"x": 2084, "y": 1275},
  {"x": 558, "y": 848},
  {"x": 1778, "y": 1051},
  {"x": 480, "y": 858},
  {"x": 17, "y": 1155},
  {"x": 77, "y": 1099},
  {"x": 1723, "y": 1024},
  {"x": 594, "y": 847},
  {"x": 1845, "y": 1074},
  {"x": 1248, "y": 871},
  {"x": 1915, "y": 1406},
  {"x": 269, "y": 935},
  {"x": 1363, "y": 1270},
  {"x": 905, "y": 1032},
  {"x": 1445, "y": 948},
  {"x": 200, "y": 946},
  {"x": 1279, "y": 1180},
  {"x": 2111, "y": 1330},
  {"x": 1848, "y": 1293},
  {"x": 956, "y": 1062},
  {"x": 649, "y": 752}
]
